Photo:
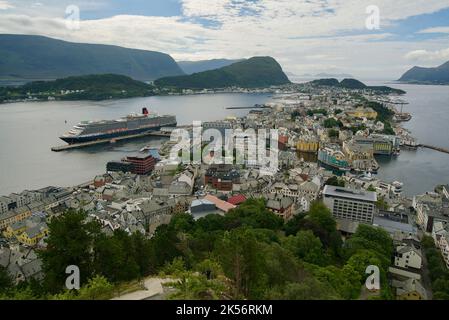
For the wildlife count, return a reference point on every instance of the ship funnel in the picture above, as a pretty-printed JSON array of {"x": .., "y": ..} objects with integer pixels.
[{"x": 144, "y": 111}]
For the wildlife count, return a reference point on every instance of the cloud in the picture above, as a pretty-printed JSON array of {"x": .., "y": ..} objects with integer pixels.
[
  {"x": 304, "y": 36},
  {"x": 4, "y": 5},
  {"x": 426, "y": 56},
  {"x": 435, "y": 30}
]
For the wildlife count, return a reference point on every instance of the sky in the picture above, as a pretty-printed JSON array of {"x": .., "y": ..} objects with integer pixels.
[{"x": 305, "y": 36}]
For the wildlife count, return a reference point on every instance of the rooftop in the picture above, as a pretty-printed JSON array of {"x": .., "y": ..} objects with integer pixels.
[{"x": 333, "y": 191}]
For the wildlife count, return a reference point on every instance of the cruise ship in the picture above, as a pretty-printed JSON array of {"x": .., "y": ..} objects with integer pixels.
[{"x": 87, "y": 131}]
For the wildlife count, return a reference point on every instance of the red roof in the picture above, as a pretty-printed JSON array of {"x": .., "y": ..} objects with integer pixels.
[
  {"x": 237, "y": 199},
  {"x": 220, "y": 204}
]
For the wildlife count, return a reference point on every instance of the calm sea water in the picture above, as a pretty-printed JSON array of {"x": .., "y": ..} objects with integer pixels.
[
  {"x": 423, "y": 169},
  {"x": 29, "y": 130}
]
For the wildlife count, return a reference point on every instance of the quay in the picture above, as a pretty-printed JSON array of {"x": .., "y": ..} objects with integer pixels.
[
  {"x": 106, "y": 141},
  {"x": 427, "y": 146}
]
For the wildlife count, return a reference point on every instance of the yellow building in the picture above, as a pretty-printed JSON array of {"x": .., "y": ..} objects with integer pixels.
[
  {"x": 360, "y": 112},
  {"x": 32, "y": 236},
  {"x": 354, "y": 151},
  {"x": 308, "y": 145},
  {"x": 14, "y": 216},
  {"x": 13, "y": 230},
  {"x": 410, "y": 289}
]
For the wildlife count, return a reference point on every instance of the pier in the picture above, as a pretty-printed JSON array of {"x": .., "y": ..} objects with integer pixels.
[
  {"x": 106, "y": 141},
  {"x": 427, "y": 146}
]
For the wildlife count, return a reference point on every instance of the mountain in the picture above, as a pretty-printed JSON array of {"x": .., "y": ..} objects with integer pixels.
[
  {"x": 190, "y": 67},
  {"x": 252, "y": 73},
  {"x": 331, "y": 75},
  {"x": 89, "y": 87},
  {"x": 438, "y": 75},
  {"x": 37, "y": 57},
  {"x": 354, "y": 84}
]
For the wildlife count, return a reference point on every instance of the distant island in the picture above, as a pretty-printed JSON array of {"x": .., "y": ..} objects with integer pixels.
[
  {"x": 90, "y": 87},
  {"x": 37, "y": 57},
  {"x": 252, "y": 73},
  {"x": 420, "y": 75},
  {"x": 354, "y": 84},
  {"x": 190, "y": 67}
]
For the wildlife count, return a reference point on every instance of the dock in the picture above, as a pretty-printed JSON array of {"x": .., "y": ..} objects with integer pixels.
[
  {"x": 107, "y": 141},
  {"x": 427, "y": 146}
]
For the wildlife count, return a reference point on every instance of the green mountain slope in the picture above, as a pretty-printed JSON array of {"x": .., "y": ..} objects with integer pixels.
[
  {"x": 90, "y": 87},
  {"x": 438, "y": 75},
  {"x": 251, "y": 73},
  {"x": 190, "y": 67},
  {"x": 354, "y": 84},
  {"x": 37, "y": 57}
]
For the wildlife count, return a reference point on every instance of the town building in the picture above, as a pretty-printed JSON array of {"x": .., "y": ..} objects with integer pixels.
[
  {"x": 350, "y": 204},
  {"x": 361, "y": 112}
]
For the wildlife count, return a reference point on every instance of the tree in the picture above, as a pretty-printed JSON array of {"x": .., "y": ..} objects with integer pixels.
[
  {"x": 332, "y": 123},
  {"x": 306, "y": 247},
  {"x": 240, "y": 256},
  {"x": 164, "y": 247},
  {"x": 308, "y": 289},
  {"x": 97, "y": 288},
  {"x": 335, "y": 181},
  {"x": 332, "y": 133},
  {"x": 371, "y": 238},
  {"x": 253, "y": 213},
  {"x": 293, "y": 225},
  {"x": 5, "y": 280},
  {"x": 70, "y": 242},
  {"x": 115, "y": 257},
  {"x": 322, "y": 216}
]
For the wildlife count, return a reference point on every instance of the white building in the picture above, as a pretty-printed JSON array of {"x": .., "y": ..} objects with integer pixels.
[
  {"x": 349, "y": 204},
  {"x": 407, "y": 256}
]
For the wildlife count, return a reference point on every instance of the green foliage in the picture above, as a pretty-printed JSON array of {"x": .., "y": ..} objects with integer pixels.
[
  {"x": 292, "y": 226},
  {"x": 247, "y": 254},
  {"x": 309, "y": 289},
  {"x": 312, "y": 112},
  {"x": 332, "y": 123},
  {"x": 335, "y": 181},
  {"x": 306, "y": 247},
  {"x": 5, "y": 280},
  {"x": 322, "y": 216},
  {"x": 252, "y": 73},
  {"x": 332, "y": 133},
  {"x": 439, "y": 274},
  {"x": 253, "y": 213},
  {"x": 346, "y": 281},
  {"x": 73, "y": 241},
  {"x": 97, "y": 288},
  {"x": 70, "y": 243},
  {"x": 89, "y": 87},
  {"x": 338, "y": 111},
  {"x": 371, "y": 238},
  {"x": 354, "y": 84},
  {"x": 241, "y": 258},
  {"x": 18, "y": 294}
]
